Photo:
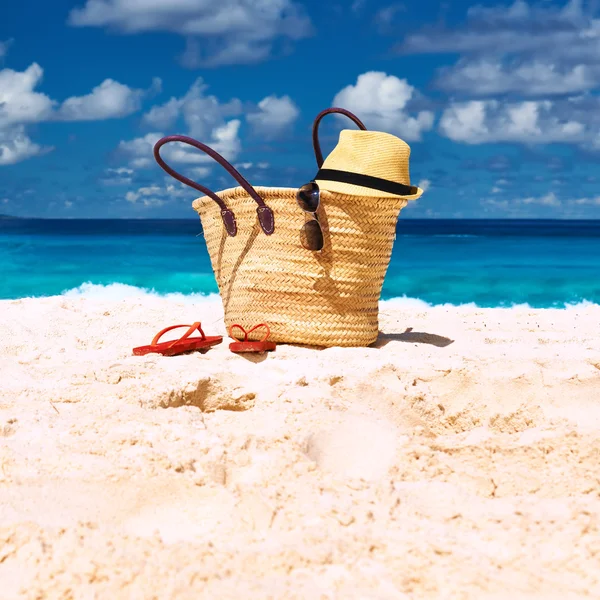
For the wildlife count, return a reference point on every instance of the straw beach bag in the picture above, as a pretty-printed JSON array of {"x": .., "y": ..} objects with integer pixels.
[{"x": 254, "y": 237}]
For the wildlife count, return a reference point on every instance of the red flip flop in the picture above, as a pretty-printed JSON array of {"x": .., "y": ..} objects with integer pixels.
[
  {"x": 184, "y": 344},
  {"x": 248, "y": 346}
]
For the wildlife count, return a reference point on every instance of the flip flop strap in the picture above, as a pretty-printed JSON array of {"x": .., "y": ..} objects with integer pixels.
[
  {"x": 191, "y": 329},
  {"x": 236, "y": 326},
  {"x": 261, "y": 326},
  {"x": 247, "y": 333}
]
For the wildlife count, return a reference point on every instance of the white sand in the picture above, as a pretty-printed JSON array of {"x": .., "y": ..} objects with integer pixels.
[{"x": 419, "y": 469}]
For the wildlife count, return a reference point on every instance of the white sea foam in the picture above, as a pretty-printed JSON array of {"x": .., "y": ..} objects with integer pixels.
[
  {"x": 122, "y": 291},
  {"x": 418, "y": 304}
]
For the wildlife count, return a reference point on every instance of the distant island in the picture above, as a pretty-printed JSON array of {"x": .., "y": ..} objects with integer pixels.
[{"x": 7, "y": 217}]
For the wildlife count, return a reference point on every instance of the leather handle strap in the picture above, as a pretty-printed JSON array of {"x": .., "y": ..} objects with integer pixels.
[
  {"x": 265, "y": 214},
  {"x": 315, "y": 131}
]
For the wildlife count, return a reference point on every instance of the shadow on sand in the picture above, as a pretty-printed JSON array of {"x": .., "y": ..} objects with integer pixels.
[{"x": 412, "y": 337}]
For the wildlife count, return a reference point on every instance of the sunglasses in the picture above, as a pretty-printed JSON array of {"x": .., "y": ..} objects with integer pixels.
[{"x": 308, "y": 198}]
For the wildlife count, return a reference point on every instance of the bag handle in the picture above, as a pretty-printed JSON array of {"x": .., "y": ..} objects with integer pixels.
[
  {"x": 266, "y": 217},
  {"x": 315, "y": 131}
]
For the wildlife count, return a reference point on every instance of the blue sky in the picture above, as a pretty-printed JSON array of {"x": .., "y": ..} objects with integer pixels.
[{"x": 499, "y": 102}]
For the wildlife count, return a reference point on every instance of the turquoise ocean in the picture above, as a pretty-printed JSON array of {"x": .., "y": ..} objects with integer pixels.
[{"x": 488, "y": 263}]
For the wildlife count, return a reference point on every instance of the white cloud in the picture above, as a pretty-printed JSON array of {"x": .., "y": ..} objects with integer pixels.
[
  {"x": 549, "y": 199},
  {"x": 205, "y": 119},
  {"x": 223, "y": 139},
  {"x": 200, "y": 112},
  {"x": 233, "y": 31},
  {"x": 199, "y": 173},
  {"x": 4, "y": 46},
  {"x": 16, "y": 146},
  {"x": 531, "y": 50},
  {"x": 155, "y": 195},
  {"x": 163, "y": 116},
  {"x": 274, "y": 116},
  {"x": 538, "y": 77},
  {"x": 22, "y": 105},
  {"x": 382, "y": 102},
  {"x": 19, "y": 103},
  {"x": 249, "y": 165},
  {"x": 518, "y": 207},
  {"x": 385, "y": 16},
  {"x": 122, "y": 171},
  {"x": 235, "y": 52},
  {"x": 534, "y": 122},
  {"x": 566, "y": 32},
  {"x": 495, "y": 203},
  {"x": 143, "y": 192},
  {"x": 586, "y": 201},
  {"x": 139, "y": 150},
  {"x": 424, "y": 184},
  {"x": 109, "y": 100},
  {"x": 525, "y": 207},
  {"x": 496, "y": 190},
  {"x": 120, "y": 176}
]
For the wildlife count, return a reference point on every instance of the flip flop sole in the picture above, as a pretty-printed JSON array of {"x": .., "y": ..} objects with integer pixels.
[
  {"x": 240, "y": 347},
  {"x": 188, "y": 345}
]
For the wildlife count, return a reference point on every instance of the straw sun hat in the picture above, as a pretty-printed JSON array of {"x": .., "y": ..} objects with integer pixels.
[{"x": 368, "y": 163}]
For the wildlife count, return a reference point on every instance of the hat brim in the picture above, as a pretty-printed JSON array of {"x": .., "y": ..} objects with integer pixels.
[{"x": 350, "y": 189}]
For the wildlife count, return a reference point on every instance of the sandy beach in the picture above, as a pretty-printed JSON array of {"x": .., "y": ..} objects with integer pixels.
[{"x": 457, "y": 459}]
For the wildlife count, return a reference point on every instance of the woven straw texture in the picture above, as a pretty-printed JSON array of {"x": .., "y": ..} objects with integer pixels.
[
  {"x": 373, "y": 153},
  {"x": 327, "y": 298}
]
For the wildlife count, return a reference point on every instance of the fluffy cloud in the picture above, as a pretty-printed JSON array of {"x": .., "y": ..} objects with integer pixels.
[
  {"x": 205, "y": 118},
  {"x": 22, "y": 105},
  {"x": 549, "y": 199},
  {"x": 138, "y": 151},
  {"x": 120, "y": 176},
  {"x": 156, "y": 195},
  {"x": 223, "y": 139},
  {"x": 586, "y": 201},
  {"x": 232, "y": 31},
  {"x": 521, "y": 207},
  {"x": 274, "y": 116},
  {"x": 19, "y": 102},
  {"x": 530, "y": 50},
  {"x": 109, "y": 100},
  {"x": 565, "y": 32},
  {"x": 534, "y": 122},
  {"x": 383, "y": 102},
  {"x": 15, "y": 146},
  {"x": 488, "y": 77},
  {"x": 249, "y": 165},
  {"x": 200, "y": 112}
]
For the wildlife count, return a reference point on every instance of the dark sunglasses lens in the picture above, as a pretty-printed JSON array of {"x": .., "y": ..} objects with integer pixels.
[
  {"x": 308, "y": 197},
  {"x": 311, "y": 236}
]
